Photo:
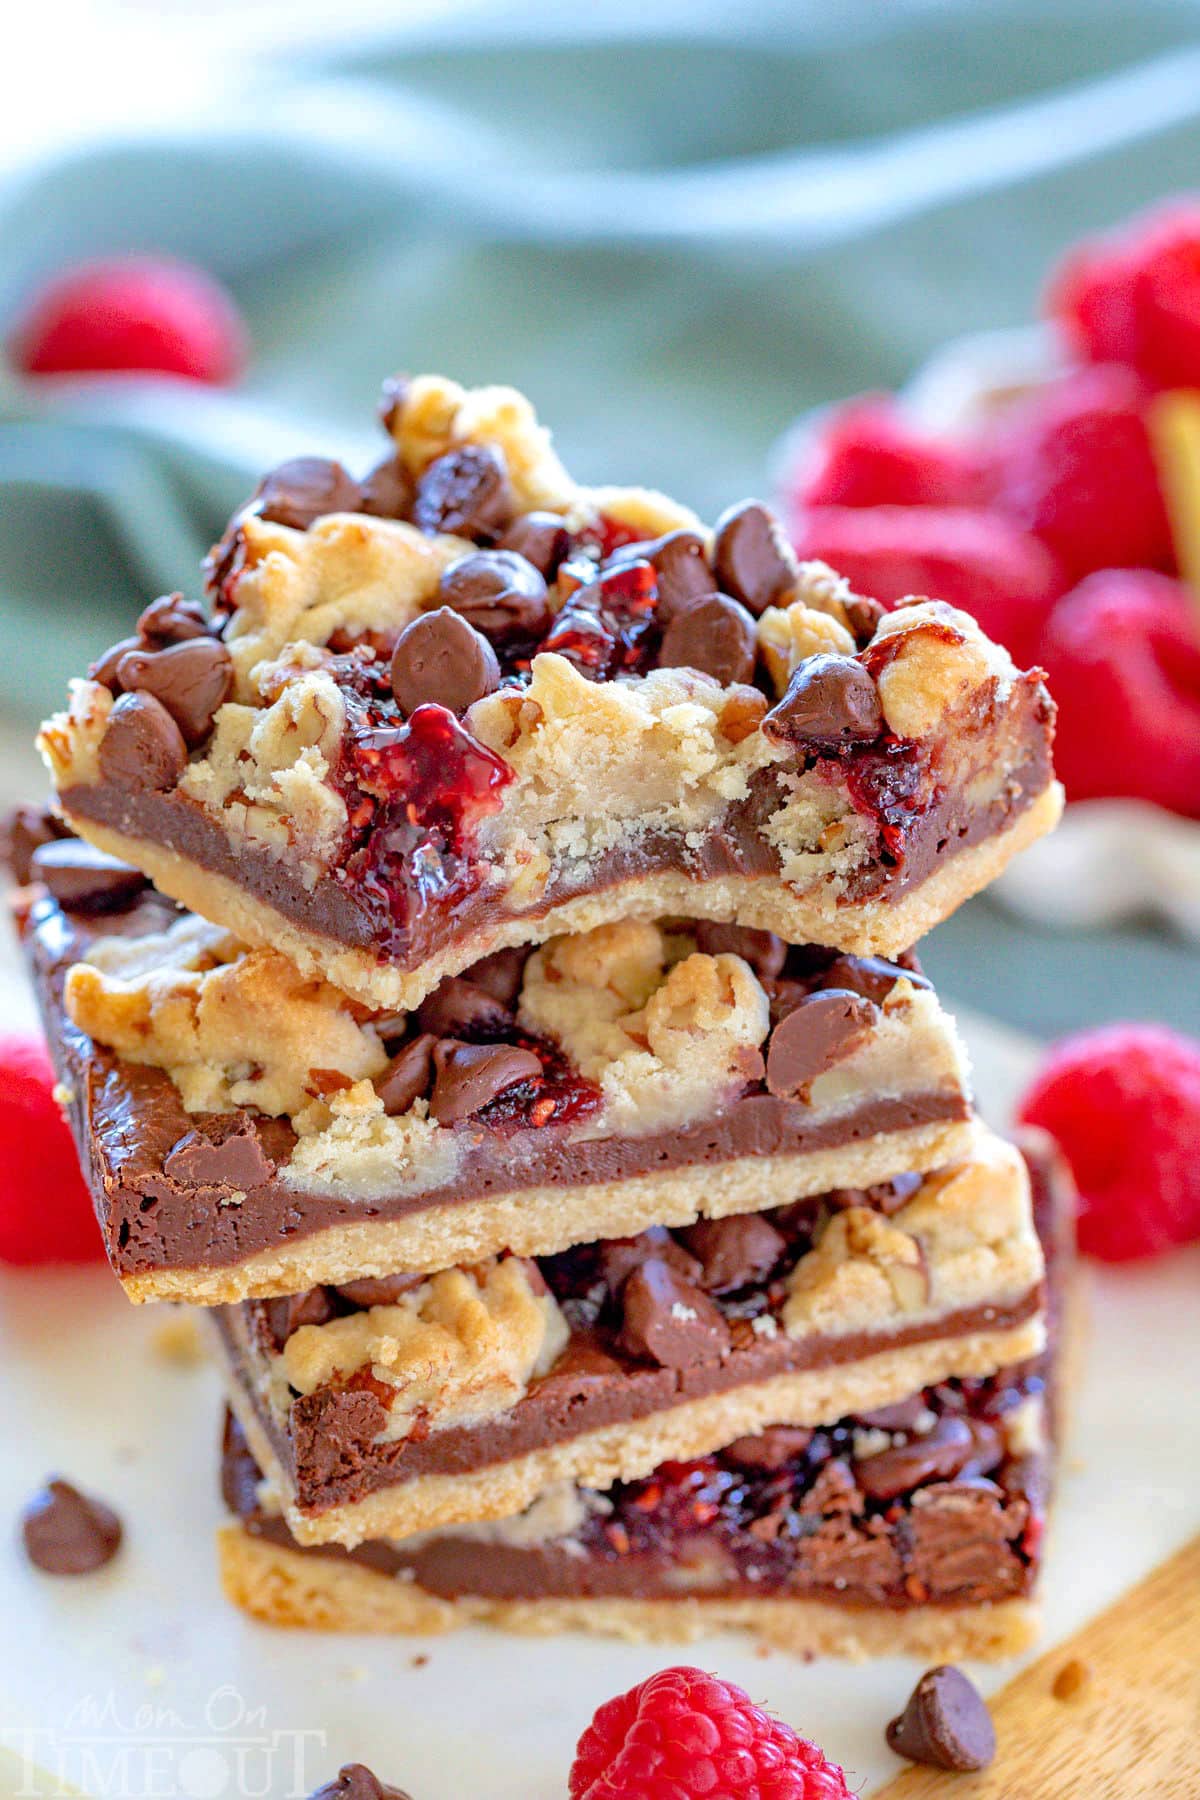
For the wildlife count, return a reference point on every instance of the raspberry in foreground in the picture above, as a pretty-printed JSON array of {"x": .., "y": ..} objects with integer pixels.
[
  {"x": 866, "y": 454},
  {"x": 45, "y": 1210},
  {"x": 1135, "y": 297},
  {"x": 134, "y": 316},
  {"x": 1122, "y": 654},
  {"x": 1124, "y": 1103},
  {"x": 684, "y": 1735}
]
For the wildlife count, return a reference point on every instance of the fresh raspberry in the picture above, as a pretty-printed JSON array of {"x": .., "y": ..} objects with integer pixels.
[
  {"x": 45, "y": 1210},
  {"x": 1135, "y": 297},
  {"x": 683, "y": 1734},
  {"x": 138, "y": 315},
  {"x": 866, "y": 455},
  {"x": 1124, "y": 1103},
  {"x": 1122, "y": 652},
  {"x": 1074, "y": 464},
  {"x": 975, "y": 559}
]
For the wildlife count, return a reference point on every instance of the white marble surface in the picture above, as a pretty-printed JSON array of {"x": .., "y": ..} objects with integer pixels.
[{"x": 124, "y": 1667}]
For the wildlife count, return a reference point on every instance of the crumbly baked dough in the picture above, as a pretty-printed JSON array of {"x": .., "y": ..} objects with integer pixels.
[
  {"x": 540, "y": 1221},
  {"x": 631, "y": 1449},
  {"x": 286, "y": 1587},
  {"x": 883, "y": 927}
]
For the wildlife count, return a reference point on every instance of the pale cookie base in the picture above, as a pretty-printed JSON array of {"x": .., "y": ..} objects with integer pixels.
[
  {"x": 634, "y": 1448},
  {"x": 542, "y": 1221},
  {"x": 880, "y": 927},
  {"x": 286, "y": 1587}
]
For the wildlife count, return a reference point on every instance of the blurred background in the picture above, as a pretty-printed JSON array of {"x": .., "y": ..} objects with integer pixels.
[{"x": 677, "y": 227}]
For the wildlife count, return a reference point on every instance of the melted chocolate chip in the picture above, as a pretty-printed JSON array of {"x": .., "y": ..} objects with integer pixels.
[
  {"x": 356, "y": 1782},
  {"x": 863, "y": 617},
  {"x": 387, "y": 492},
  {"x": 69, "y": 1533},
  {"x": 500, "y": 592},
  {"x": 458, "y": 1006},
  {"x": 465, "y": 492},
  {"x": 734, "y": 1252},
  {"x": 299, "y": 492},
  {"x": 668, "y": 1320},
  {"x": 289, "y": 1312},
  {"x": 84, "y": 879},
  {"x": 25, "y": 830},
  {"x": 752, "y": 558},
  {"x": 379, "y": 1290},
  {"x": 191, "y": 679},
  {"x": 953, "y": 1447},
  {"x": 542, "y": 539},
  {"x": 715, "y": 636},
  {"x": 469, "y": 1076},
  {"x": 902, "y": 1415},
  {"x": 872, "y": 976},
  {"x": 680, "y": 562},
  {"x": 500, "y": 974},
  {"x": 142, "y": 746},
  {"x": 104, "y": 669},
  {"x": 408, "y": 1076},
  {"x": 831, "y": 703},
  {"x": 619, "y": 1257},
  {"x": 765, "y": 952},
  {"x": 230, "y": 1155},
  {"x": 440, "y": 657},
  {"x": 172, "y": 620},
  {"x": 772, "y": 1448},
  {"x": 816, "y": 1034},
  {"x": 945, "y": 1724}
]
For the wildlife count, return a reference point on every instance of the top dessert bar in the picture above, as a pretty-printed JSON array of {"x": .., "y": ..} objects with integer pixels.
[{"x": 466, "y": 704}]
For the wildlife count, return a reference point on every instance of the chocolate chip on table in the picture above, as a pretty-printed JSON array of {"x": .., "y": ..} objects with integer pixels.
[
  {"x": 67, "y": 1532},
  {"x": 619, "y": 1257},
  {"x": 354, "y": 1781},
  {"x": 540, "y": 538},
  {"x": 387, "y": 492},
  {"x": 830, "y": 703},
  {"x": 669, "y": 1320},
  {"x": 289, "y": 1312},
  {"x": 499, "y": 592},
  {"x": 953, "y": 1447},
  {"x": 772, "y": 1448},
  {"x": 379, "y": 1290},
  {"x": 172, "y": 620},
  {"x": 25, "y": 829},
  {"x": 715, "y": 636},
  {"x": 458, "y": 1006},
  {"x": 765, "y": 953},
  {"x": 142, "y": 747},
  {"x": 470, "y": 1076},
  {"x": 408, "y": 1076},
  {"x": 465, "y": 492},
  {"x": 734, "y": 1252},
  {"x": 814, "y": 1036},
  {"x": 945, "y": 1724},
  {"x": 299, "y": 492},
  {"x": 752, "y": 559},
  {"x": 192, "y": 679},
  {"x": 83, "y": 879},
  {"x": 229, "y": 1155},
  {"x": 440, "y": 657},
  {"x": 872, "y": 976}
]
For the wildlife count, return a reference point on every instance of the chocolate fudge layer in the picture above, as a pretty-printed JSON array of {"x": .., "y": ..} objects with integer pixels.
[
  {"x": 386, "y": 1407},
  {"x": 467, "y": 704},
  {"x": 917, "y": 1527},
  {"x": 248, "y": 1131}
]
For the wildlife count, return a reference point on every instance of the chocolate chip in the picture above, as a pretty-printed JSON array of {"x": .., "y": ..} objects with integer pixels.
[
  {"x": 142, "y": 747},
  {"x": 945, "y": 1724},
  {"x": 765, "y": 952},
  {"x": 500, "y": 974},
  {"x": 104, "y": 669},
  {"x": 305, "y": 489},
  {"x": 457, "y": 1006},
  {"x": 379, "y": 1290},
  {"x": 408, "y": 1075},
  {"x": 542, "y": 539},
  {"x": 863, "y": 618},
  {"x": 465, "y": 492},
  {"x": 387, "y": 492},
  {"x": 441, "y": 657},
  {"x": 830, "y": 703},
  {"x": 84, "y": 879},
  {"x": 953, "y": 1446},
  {"x": 619, "y": 1257},
  {"x": 289, "y": 1312},
  {"x": 715, "y": 636},
  {"x": 823, "y": 1029},
  {"x": 470, "y": 1076},
  {"x": 229, "y": 1155},
  {"x": 25, "y": 830},
  {"x": 734, "y": 1252},
  {"x": 500, "y": 592},
  {"x": 680, "y": 561},
  {"x": 69, "y": 1533},
  {"x": 752, "y": 558},
  {"x": 356, "y": 1782},
  {"x": 192, "y": 680},
  {"x": 172, "y": 620},
  {"x": 871, "y": 976},
  {"x": 668, "y": 1320},
  {"x": 773, "y": 1448},
  {"x": 903, "y": 1415}
]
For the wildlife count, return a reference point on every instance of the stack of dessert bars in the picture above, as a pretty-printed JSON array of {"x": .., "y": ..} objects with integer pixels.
[{"x": 477, "y": 947}]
